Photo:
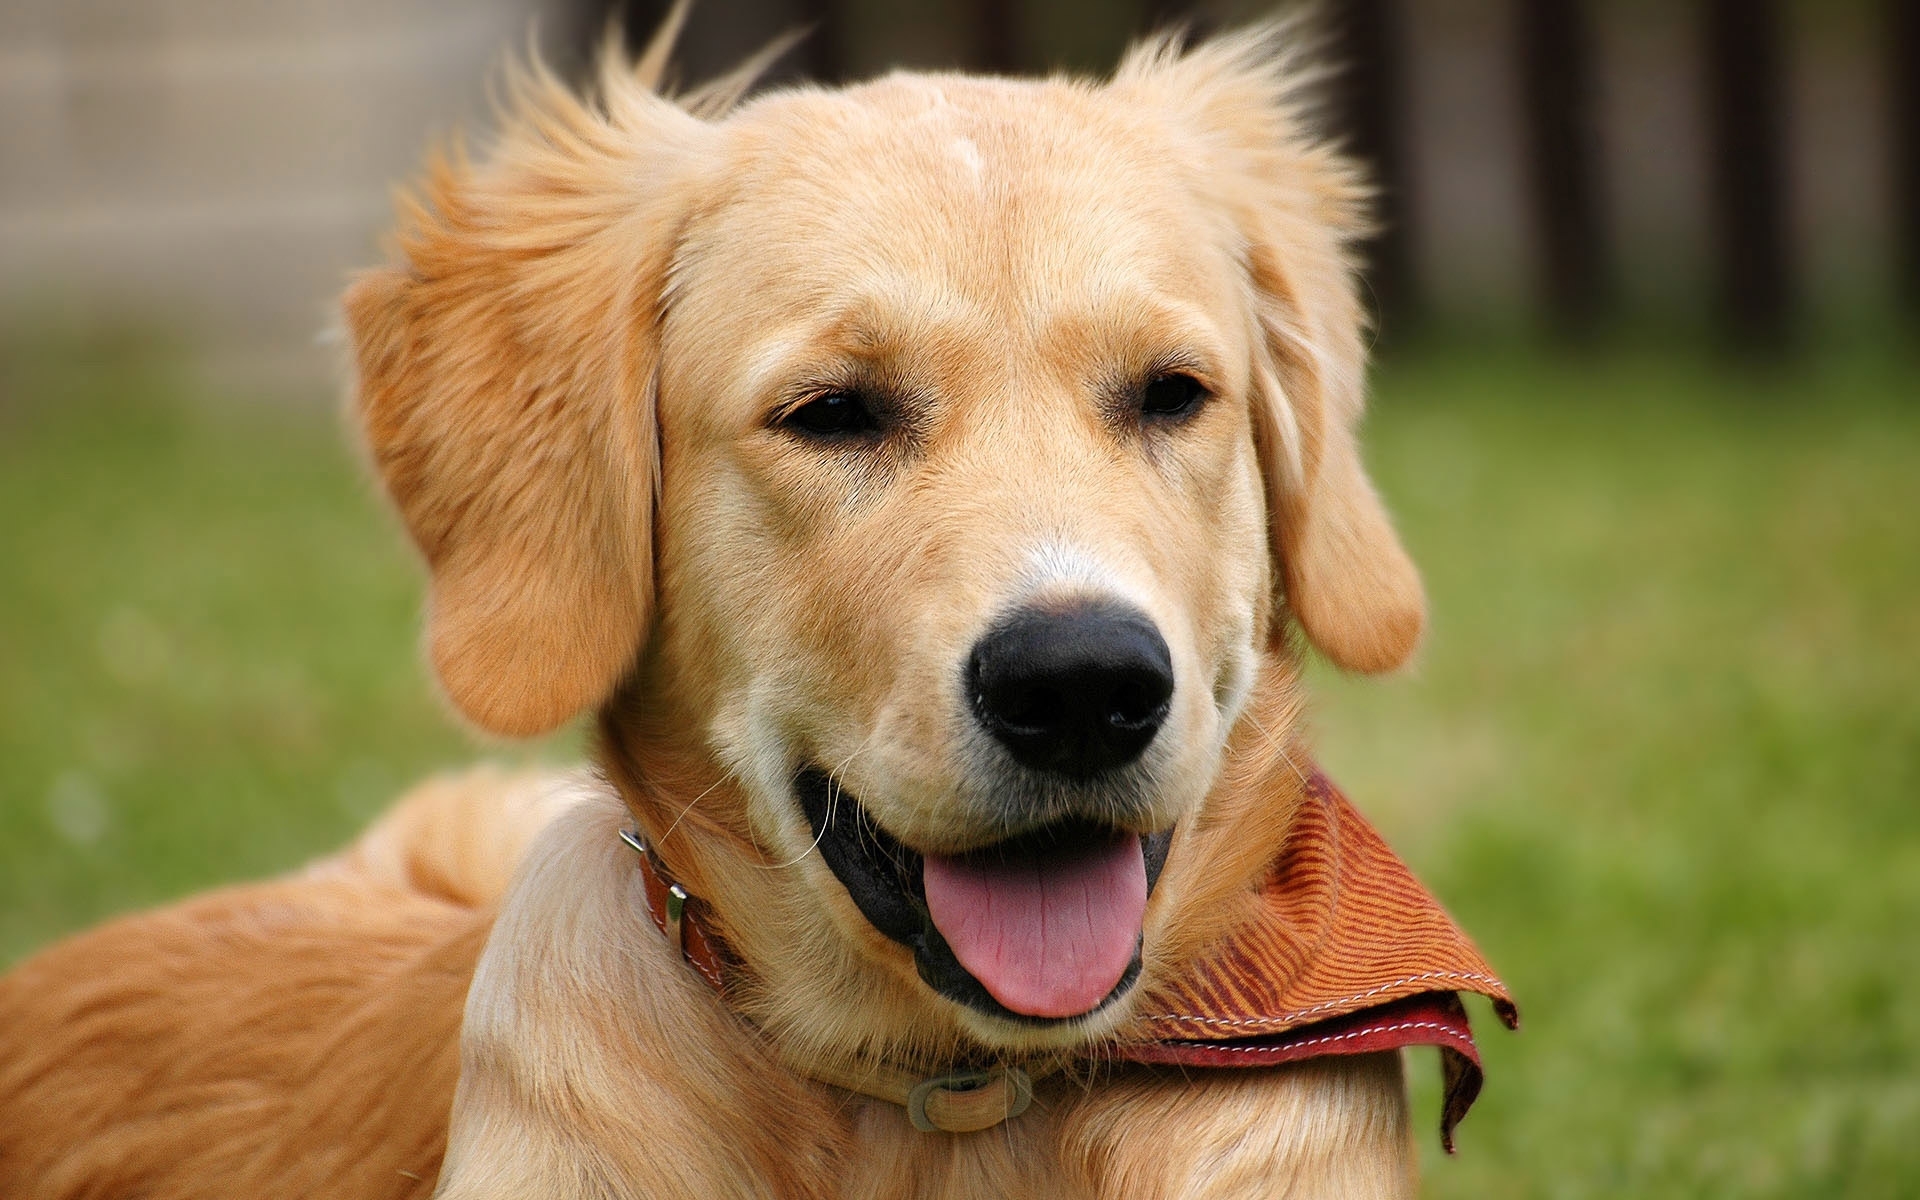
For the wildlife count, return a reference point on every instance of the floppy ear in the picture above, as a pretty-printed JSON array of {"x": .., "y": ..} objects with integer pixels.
[
  {"x": 506, "y": 370},
  {"x": 1297, "y": 207}
]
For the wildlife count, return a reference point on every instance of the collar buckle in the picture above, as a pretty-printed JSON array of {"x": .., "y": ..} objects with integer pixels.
[
  {"x": 967, "y": 1101},
  {"x": 676, "y": 918},
  {"x": 673, "y": 921}
]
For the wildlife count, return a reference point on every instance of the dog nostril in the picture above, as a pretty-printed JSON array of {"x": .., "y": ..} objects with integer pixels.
[
  {"x": 1134, "y": 702},
  {"x": 1073, "y": 692}
]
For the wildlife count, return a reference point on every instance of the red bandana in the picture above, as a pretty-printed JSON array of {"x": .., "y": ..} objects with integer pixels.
[{"x": 1350, "y": 955}]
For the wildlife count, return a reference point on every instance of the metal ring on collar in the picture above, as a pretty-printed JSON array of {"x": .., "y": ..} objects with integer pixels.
[{"x": 1012, "y": 1083}]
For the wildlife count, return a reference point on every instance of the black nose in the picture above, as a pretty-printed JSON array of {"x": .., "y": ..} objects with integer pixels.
[{"x": 1072, "y": 691}]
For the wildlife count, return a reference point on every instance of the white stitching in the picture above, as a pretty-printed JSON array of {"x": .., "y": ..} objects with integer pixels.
[
  {"x": 712, "y": 977},
  {"x": 1296, "y": 1014},
  {"x": 1455, "y": 1035}
]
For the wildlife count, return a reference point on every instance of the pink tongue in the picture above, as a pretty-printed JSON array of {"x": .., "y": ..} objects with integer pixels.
[{"x": 1049, "y": 936}]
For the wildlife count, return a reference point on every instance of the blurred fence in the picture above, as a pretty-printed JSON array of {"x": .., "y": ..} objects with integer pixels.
[
  {"x": 1579, "y": 146},
  {"x": 222, "y": 165}
]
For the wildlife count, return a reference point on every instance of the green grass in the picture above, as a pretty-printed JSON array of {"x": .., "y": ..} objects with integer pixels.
[
  {"x": 1661, "y": 755},
  {"x": 208, "y": 658}
]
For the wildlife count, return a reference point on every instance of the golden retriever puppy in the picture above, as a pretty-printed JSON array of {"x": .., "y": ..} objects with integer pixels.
[{"x": 924, "y": 482}]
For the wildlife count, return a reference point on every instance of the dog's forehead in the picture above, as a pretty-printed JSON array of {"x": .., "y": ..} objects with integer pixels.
[{"x": 1012, "y": 194}]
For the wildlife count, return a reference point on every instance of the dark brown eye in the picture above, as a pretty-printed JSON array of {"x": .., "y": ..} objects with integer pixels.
[
  {"x": 832, "y": 415},
  {"x": 1171, "y": 395}
]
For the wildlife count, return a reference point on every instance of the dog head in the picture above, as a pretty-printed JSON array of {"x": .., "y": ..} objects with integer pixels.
[{"x": 922, "y": 477}]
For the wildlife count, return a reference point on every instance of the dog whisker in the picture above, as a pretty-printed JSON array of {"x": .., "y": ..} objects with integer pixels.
[
  {"x": 1274, "y": 744},
  {"x": 801, "y": 857},
  {"x": 691, "y": 804},
  {"x": 834, "y": 790}
]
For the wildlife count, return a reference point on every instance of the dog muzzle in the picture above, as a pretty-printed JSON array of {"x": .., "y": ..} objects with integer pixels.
[{"x": 1348, "y": 954}]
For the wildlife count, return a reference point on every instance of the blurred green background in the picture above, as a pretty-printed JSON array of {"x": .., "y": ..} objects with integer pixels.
[{"x": 1661, "y": 754}]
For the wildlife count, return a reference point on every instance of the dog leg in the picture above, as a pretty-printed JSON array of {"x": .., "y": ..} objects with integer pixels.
[
  {"x": 289, "y": 1039},
  {"x": 1331, "y": 1129}
]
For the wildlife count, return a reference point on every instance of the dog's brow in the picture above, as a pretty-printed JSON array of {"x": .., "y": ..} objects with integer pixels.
[
  {"x": 772, "y": 357},
  {"x": 867, "y": 325},
  {"x": 1159, "y": 316}
]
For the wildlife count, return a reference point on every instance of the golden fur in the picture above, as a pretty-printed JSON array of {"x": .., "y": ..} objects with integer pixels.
[{"x": 571, "y": 382}]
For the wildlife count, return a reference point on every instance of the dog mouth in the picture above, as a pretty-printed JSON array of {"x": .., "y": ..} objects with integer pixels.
[{"x": 1039, "y": 929}]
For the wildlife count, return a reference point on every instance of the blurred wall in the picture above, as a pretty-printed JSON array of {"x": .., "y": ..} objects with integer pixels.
[
  {"x": 1468, "y": 202},
  {"x": 220, "y": 165}
]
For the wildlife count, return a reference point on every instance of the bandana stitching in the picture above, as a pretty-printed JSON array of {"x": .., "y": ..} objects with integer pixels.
[
  {"x": 1285, "y": 1018},
  {"x": 1452, "y": 1032}
]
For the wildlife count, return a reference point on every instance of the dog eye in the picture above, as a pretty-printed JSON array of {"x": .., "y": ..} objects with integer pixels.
[
  {"x": 832, "y": 414},
  {"x": 1171, "y": 395}
]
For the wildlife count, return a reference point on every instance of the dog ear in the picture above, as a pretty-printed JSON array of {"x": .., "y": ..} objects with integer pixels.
[
  {"x": 506, "y": 367},
  {"x": 1297, "y": 208}
]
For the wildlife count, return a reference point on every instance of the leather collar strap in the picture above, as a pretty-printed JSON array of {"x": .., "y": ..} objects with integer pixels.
[
  {"x": 680, "y": 917},
  {"x": 1349, "y": 955}
]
